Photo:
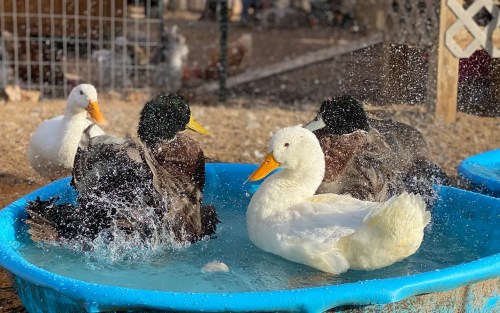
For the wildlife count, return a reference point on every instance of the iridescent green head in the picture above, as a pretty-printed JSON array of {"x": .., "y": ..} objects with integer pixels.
[
  {"x": 163, "y": 117},
  {"x": 340, "y": 115}
]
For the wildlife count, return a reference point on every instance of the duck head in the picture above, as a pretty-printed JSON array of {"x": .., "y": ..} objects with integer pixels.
[
  {"x": 340, "y": 115},
  {"x": 298, "y": 152},
  {"x": 84, "y": 98},
  {"x": 164, "y": 116}
]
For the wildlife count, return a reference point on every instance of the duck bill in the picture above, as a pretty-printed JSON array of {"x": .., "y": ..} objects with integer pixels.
[
  {"x": 194, "y": 125},
  {"x": 317, "y": 123},
  {"x": 268, "y": 165},
  {"x": 95, "y": 113}
]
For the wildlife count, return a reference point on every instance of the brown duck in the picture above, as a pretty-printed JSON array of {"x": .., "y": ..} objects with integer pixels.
[
  {"x": 372, "y": 159},
  {"x": 116, "y": 178}
]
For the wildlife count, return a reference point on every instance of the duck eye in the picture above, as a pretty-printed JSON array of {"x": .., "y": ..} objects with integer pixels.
[
  {"x": 286, "y": 145},
  {"x": 81, "y": 92}
]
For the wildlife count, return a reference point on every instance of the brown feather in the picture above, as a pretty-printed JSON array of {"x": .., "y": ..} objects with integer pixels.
[{"x": 360, "y": 164}]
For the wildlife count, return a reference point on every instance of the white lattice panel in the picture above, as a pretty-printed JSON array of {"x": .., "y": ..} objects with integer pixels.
[{"x": 482, "y": 37}]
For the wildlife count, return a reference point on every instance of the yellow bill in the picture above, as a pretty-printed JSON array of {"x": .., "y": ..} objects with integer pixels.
[
  {"x": 267, "y": 166},
  {"x": 194, "y": 125},
  {"x": 95, "y": 113}
]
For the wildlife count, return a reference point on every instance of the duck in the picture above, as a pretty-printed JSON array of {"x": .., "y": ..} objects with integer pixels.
[
  {"x": 149, "y": 187},
  {"x": 372, "y": 159},
  {"x": 53, "y": 145},
  {"x": 329, "y": 232}
]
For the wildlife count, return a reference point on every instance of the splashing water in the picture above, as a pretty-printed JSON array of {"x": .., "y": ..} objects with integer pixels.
[{"x": 119, "y": 230}]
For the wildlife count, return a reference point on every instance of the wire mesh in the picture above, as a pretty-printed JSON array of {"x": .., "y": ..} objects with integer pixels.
[{"x": 53, "y": 45}]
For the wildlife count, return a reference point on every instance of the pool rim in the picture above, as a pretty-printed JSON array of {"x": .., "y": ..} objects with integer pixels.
[
  {"x": 95, "y": 297},
  {"x": 465, "y": 169}
]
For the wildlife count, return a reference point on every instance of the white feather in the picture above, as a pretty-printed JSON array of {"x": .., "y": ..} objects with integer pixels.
[{"x": 53, "y": 145}]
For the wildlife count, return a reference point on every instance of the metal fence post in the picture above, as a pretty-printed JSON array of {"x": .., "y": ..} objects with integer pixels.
[{"x": 223, "y": 51}]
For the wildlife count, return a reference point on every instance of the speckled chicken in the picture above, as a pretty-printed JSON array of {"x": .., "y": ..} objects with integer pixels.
[{"x": 239, "y": 53}]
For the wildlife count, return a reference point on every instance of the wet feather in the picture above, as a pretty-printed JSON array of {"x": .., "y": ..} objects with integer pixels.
[{"x": 117, "y": 178}]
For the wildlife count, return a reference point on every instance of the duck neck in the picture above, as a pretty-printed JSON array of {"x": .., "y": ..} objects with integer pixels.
[
  {"x": 307, "y": 176},
  {"x": 289, "y": 187},
  {"x": 72, "y": 125}
]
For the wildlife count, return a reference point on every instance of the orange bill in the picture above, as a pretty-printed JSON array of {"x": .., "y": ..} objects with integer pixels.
[
  {"x": 95, "y": 112},
  {"x": 194, "y": 125},
  {"x": 267, "y": 166}
]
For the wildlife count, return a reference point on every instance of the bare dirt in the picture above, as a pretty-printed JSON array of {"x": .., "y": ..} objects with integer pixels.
[{"x": 242, "y": 126}]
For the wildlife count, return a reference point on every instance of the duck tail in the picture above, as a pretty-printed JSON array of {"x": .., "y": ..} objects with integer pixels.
[
  {"x": 46, "y": 219},
  {"x": 209, "y": 220},
  {"x": 390, "y": 233}
]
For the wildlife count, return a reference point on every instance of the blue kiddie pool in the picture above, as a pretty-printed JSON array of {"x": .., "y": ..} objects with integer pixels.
[
  {"x": 456, "y": 269},
  {"x": 483, "y": 171}
]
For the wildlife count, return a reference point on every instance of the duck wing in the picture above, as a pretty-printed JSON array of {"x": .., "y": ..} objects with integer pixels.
[
  {"x": 87, "y": 150},
  {"x": 420, "y": 178},
  {"x": 391, "y": 232},
  {"x": 406, "y": 141},
  {"x": 331, "y": 215},
  {"x": 113, "y": 181},
  {"x": 109, "y": 166},
  {"x": 360, "y": 164},
  {"x": 418, "y": 171},
  {"x": 51, "y": 221},
  {"x": 178, "y": 169},
  {"x": 308, "y": 233},
  {"x": 48, "y": 220}
]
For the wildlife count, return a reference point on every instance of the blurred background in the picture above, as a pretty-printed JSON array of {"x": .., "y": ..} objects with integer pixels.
[{"x": 289, "y": 51}]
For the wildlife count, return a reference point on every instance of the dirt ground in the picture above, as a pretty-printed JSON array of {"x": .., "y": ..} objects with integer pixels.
[{"x": 240, "y": 128}]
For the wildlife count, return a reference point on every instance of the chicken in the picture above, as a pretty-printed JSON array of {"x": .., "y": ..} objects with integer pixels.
[
  {"x": 239, "y": 52},
  {"x": 169, "y": 58},
  {"x": 112, "y": 69}
]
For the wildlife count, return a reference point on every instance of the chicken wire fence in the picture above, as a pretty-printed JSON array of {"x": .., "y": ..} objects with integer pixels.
[{"x": 52, "y": 45}]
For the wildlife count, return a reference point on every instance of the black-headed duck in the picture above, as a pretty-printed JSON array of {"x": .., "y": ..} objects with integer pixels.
[
  {"x": 162, "y": 169},
  {"x": 371, "y": 159}
]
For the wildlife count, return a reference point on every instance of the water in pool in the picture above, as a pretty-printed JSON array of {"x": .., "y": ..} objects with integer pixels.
[
  {"x": 492, "y": 171},
  {"x": 250, "y": 269}
]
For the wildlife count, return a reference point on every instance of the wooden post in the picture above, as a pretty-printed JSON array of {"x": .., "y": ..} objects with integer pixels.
[{"x": 447, "y": 73}]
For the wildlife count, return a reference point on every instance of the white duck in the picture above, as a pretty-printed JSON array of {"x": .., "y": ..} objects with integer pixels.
[
  {"x": 329, "y": 232},
  {"x": 53, "y": 145}
]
